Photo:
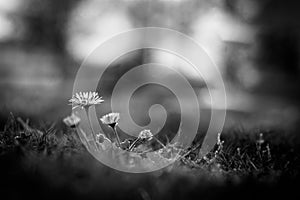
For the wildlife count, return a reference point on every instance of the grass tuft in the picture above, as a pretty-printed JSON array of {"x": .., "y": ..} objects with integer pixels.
[{"x": 55, "y": 160}]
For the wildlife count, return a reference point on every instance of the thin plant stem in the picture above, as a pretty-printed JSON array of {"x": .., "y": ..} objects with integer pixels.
[
  {"x": 90, "y": 123},
  {"x": 134, "y": 142},
  {"x": 159, "y": 142},
  {"x": 117, "y": 136},
  {"x": 84, "y": 136}
]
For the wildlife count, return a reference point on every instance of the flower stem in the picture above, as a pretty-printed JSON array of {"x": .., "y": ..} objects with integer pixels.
[
  {"x": 159, "y": 142},
  {"x": 133, "y": 144},
  {"x": 90, "y": 123},
  {"x": 117, "y": 136},
  {"x": 85, "y": 138}
]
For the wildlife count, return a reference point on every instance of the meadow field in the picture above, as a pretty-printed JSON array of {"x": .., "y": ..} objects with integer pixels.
[{"x": 43, "y": 162}]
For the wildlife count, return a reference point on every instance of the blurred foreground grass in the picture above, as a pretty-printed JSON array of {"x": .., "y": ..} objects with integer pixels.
[{"x": 46, "y": 163}]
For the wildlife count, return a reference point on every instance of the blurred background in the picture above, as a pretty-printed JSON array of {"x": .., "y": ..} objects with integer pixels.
[{"x": 255, "y": 44}]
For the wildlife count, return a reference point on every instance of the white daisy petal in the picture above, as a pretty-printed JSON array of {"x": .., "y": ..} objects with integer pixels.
[
  {"x": 85, "y": 99},
  {"x": 111, "y": 118}
]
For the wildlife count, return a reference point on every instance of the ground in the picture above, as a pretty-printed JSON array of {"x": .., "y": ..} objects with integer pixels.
[{"x": 43, "y": 162}]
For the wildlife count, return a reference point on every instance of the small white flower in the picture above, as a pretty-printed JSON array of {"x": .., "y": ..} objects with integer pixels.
[
  {"x": 72, "y": 121},
  {"x": 219, "y": 141},
  {"x": 145, "y": 134},
  {"x": 85, "y": 99},
  {"x": 261, "y": 140},
  {"x": 101, "y": 138},
  {"x": 110, "y": 119}
]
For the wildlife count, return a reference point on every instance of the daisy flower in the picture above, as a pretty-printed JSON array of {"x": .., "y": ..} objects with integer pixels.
[
  {"x": 85, "y": 99},
  {"x": 145, "y": 135},
  {"x": 72, "y": 121},
  {"x": 101, "y": 138},
  {"x": 261, "y": 139},
  {"x": 110, "y": 119}
]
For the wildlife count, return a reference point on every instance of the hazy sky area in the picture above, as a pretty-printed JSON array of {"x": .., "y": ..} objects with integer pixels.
[{"x": 254, "y": 44}]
